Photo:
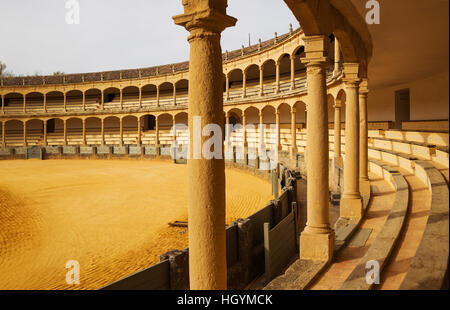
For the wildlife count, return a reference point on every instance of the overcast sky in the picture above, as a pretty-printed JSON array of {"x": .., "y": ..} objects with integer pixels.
[{"x": 118, "y": 34}]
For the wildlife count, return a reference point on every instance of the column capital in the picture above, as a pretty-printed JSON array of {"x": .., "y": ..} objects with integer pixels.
[
  {"x": 364, "y": 87},
  {"x": 293, "y": 110},
  {"x": 338, "y": 105},
  {"x": 202, "y": 18},
  {"x": 315, "y": 50},
  {"x": 351, "y": 74}
]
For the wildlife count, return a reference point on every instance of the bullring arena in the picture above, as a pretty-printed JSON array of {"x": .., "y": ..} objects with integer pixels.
[{"x": 362, "y": 172}]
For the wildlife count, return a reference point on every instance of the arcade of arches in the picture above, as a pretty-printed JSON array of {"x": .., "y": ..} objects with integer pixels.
[{"x": 312, "y": 82}]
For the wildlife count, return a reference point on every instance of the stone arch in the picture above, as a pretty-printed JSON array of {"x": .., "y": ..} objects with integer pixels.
[
  {"x": 285, "y": 113},
  {"x": 130, "y": 129},
  {"x": 34, "y": 101},
  {"x": 322, "y": 18},
  {"x": 111, "y": 96},
  {"x": 330, "y": 103},
  {"x": 74, "y": 127},
  {"x": 74, "y": 99},
  {"x": 130, "y": 95},
  {"x": 300, "y": 107},
  {"x": 166, "y": 93},
  {"x": 269, "y": 114},
  {"x": 93, "y": 125},
  {"x": 269, "y": 74},
  {"x": 235, "y": 115},
  {"x": 235, "y": 80},
  {"x": 93, "y": 98},
  {"x": 54, "y": 100},
  {"x": 14, "y": 101},
  {"x": 165, "y": 121},
  {"x": 181, "y": 118},
  {"x": 14, "y": 132},
  {"x": 182, "y": 91},
  {"x": 34, "y": 131},
  {"x": 149, "y": 94},
  {"x": 251, "y": 115},
  {"x": 252, "y": 78}
]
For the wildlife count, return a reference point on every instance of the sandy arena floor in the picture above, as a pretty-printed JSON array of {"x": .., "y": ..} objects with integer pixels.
[{"x": 110, "y": 216}]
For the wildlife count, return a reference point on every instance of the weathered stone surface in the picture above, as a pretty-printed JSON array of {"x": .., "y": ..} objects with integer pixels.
[
  {"x": 120, "y": 150},
  {"x": 5, "y": 151},
  {"x": 103, "y": 150},
  {"x": 179, "y": 268},
  {"x": 166, "y": 151},
  {"x": 86, "y": 150},
  {"x": 52, "y": 150},
  {"x": 298, "y": 276},
  {"x": 20, "y": 151},
  {"x": 70, "y": 150},
  {"x": 135, "y": 150},
  {"x": 150, "y": 150}
]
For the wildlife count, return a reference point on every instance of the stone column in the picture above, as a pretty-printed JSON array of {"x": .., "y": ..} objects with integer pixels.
[
  {"x": 277, "y": 78},
  {"x": 121, "y": 131},
  {"x": 121, "y": 99},
  {"x": 140, "y": 97},
  {"x": 139, "y": 134},
  {"x": 24, "y": 103},
  {"x": 293, "y": 132},
  {"x": 65, "y": 102},
  {"x": 103, "y": 132},
  {"x": 292, "y": 72},
  {"x": 205, "y": 20},
  {"x": 45, "y": 133},
  {"x": 3, "y": 104},
  {"x": 337, "y": 132},
  {"x": 45, "y": 103},
  {"x": 277, "y": 121},
  {"x": 3, "y": 135},
  {"x": 351, "y": 203},
  {"x": 156, "y": 132},
  {"x": 227, "y": 131},
  {"x": 65, "y": 132},
  {"x": 261, "y": 81},
  {"x": 244, "y": 84},
  {"x": 261, "y": 131},
  {"x": 84, "y": 101},
  {"x": 103, "y": 100},
  {"x": 244, "y": 131},
  {"x": 337, "y": 56},
  {"x": 157, "y": 96},
  {"x": 25, "y": 144},
  {"x": 84, "y": 132},
  {"x": 174, "y": 126},
  {"x": 227, "y": 87},
  {"x": 317, "y": 239},
  {"x": 174, "y": 94},
  {"x": 364, "y": 138}
]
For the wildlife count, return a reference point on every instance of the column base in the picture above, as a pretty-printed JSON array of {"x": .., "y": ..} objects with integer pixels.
[
  {"x": 364, "y": 188},
  {"x": 317, "y": 247},
  {"x": 352, "y": 208}
]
